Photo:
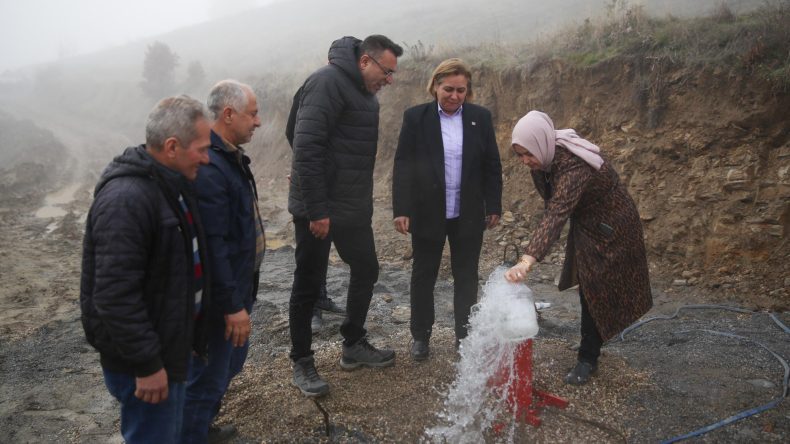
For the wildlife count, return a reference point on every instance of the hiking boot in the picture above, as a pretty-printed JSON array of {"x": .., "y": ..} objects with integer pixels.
[
  {"x": 364, "y": 354},
  {"x": 580, "y": 374},
  {"x": 420, "y": 350},
  {"x": 306, "y": 378},
  {"x": 219, "y": 434},
  {"x": 317, "y": 321},
  {"x": 327, "y": 304}
]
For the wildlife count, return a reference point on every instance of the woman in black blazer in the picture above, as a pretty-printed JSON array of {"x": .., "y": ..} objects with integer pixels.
[{"x": 446, "y": 184}]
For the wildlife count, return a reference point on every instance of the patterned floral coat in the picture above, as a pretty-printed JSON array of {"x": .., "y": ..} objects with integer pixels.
[{"x": 605, "y": 253}]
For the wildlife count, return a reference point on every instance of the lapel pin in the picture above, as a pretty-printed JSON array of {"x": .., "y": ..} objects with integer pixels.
[{"x": 474, "y": 123}]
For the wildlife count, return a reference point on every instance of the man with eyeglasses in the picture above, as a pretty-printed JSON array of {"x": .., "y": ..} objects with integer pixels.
[{"x": 335, "y": 134}]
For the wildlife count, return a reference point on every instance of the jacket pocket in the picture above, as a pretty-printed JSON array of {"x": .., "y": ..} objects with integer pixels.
[{"x": 600, "y": 232}]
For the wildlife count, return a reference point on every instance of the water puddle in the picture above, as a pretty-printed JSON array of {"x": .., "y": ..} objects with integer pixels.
[
  {"x": 54, "y": 202},
  {"x": 52, "y": 226},
  {"x": 503, "y": 319},
  {"x": 273, "y": 243}
]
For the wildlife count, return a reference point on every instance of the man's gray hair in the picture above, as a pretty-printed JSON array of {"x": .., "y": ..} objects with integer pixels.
[
  {"x": 230, "y": 93},
  {"x": 173, "y": 117}
]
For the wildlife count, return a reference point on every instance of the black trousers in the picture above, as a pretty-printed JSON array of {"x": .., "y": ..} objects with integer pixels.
[
  {"x": 464, "y": 261},
  {"x": 590, "y": 348},
  {"x": 356, "y": 247}
]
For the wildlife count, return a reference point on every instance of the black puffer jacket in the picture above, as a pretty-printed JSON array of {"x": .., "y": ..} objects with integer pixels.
[
  {"x": 137, "y": 286},
  {"x": 334, "y": 142}
]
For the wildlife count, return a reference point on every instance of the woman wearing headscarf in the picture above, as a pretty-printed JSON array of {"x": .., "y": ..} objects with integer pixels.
[
  {"x": 446, "y": 186},
  {"x": 605, "y": 252}
]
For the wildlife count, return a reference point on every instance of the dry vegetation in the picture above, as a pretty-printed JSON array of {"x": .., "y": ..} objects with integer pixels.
[{"x": 756, "y": 41}]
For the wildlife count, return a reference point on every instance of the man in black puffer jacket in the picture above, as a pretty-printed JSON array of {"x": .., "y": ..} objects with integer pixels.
[
  {"x": 331, "y": 196},
  {"x": 142, "y": 287}
]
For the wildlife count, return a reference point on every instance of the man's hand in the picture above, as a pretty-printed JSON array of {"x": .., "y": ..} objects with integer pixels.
[
  {"x": 492, "y": 220},
  {"x": 402, "y": 224},
  {"x": 237, "y": 327},
  {"x": 153, "y": 388},
  {"x": 320, "y": 228}
]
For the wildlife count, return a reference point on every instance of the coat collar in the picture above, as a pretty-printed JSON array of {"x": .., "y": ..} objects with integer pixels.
[{"x": 222, "y": 145}]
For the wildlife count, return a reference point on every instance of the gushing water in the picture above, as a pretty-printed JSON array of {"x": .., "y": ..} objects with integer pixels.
[{"x": 504, "y": 317}]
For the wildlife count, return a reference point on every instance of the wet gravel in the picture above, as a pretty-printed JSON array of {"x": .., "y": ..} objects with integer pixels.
[{"x": 665, "y": 379}]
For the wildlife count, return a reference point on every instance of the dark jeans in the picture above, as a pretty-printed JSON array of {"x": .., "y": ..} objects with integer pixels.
[
  {"x": 590, "y": 348},
  {"x": 464, "y": 260},
  {"x": 209, "y": 380},
  {"x": 142, "y": 422},
  {"x": 356, "y": 247}
]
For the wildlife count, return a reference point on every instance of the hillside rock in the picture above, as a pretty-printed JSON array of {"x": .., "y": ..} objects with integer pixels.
[{"x": 707, "y": 165}]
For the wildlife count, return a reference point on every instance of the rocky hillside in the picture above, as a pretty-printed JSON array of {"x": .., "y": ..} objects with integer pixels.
[
  {"x": 692, "y": 112},
  {"x": 708, "y": 167}
]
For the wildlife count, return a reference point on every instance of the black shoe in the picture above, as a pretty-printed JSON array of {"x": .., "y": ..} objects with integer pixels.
[
  {"x": 580, "y": 374},
  {"x": 317, "y": 321},
  {"x": 218, "y": 434},
  {"x": 364, "y": 354},
  {"x": 420, "y": 350},
  {"x": 327, "y": 304},
  {"x": 306, "y": 378}
]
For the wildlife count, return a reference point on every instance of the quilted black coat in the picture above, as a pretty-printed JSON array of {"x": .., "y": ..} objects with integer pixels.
[
  {"x": 334, "y": 142},
  {"x": 137, "y": 290}
]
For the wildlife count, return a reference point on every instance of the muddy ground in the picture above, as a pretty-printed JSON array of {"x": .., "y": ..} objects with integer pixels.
[{"x": 663, "y": 380}]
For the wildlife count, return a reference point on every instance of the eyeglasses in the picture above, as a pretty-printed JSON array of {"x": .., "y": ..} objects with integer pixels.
[{"x": 387, "y": 72}]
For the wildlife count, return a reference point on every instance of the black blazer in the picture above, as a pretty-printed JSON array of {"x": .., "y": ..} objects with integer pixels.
[{"x": 418, "y": 188}]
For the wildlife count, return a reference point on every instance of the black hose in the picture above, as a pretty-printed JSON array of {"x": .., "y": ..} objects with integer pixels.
[
  {"x": 748, "y": 412},
  {"x": 745, "y": 413}
]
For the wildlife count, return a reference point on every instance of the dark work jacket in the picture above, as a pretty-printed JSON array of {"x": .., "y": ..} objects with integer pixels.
[
  {"x": 225, "y": 192},
  {"x": 418, "y": 187},
  {"x": 334, "y": 142},
  {"x": 137, "y": 291}
]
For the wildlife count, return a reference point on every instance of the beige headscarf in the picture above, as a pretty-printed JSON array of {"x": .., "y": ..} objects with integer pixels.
[{"x": 536, "y": 133}]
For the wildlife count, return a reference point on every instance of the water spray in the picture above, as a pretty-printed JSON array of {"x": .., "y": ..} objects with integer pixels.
[{"x": 494, "y": 383}]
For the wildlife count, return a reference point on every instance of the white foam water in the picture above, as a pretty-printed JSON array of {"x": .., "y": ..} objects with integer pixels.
[{"x": 504, "y": 317}]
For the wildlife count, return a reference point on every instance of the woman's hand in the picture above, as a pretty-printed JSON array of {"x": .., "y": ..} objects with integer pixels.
[
  {"x": 402, "y": 224},
  {"x": 519, "y": 272},
  {"x": 492, "y": 220}
]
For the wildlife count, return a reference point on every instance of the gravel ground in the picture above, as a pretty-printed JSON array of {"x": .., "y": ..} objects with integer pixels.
[{"x": 664, "y": 379}]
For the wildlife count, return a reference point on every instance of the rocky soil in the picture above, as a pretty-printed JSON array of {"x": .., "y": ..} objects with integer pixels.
[{"x": 664, "y": 379}]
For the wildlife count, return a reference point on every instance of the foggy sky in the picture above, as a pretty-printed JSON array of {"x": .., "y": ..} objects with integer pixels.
[{"x": 35, "y": 31}]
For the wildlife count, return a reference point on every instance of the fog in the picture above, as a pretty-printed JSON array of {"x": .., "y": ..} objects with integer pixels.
[
  {"x": 76, "y": 68},
  {"x": 257, "y": 33},
  {"x": 36, "y": 31}
]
